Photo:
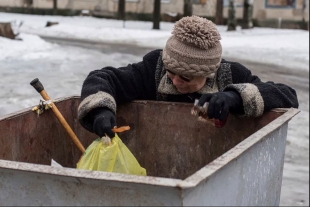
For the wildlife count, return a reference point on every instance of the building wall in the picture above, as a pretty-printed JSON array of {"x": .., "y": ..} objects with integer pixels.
[
  {"x": 11, "y": 3},
  {"x": 174, "y": 6},
  {"x": 261, "y": 12},
  {"x": 208, "y": 9}
]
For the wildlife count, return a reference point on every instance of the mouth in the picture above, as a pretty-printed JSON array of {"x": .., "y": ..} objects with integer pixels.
[{"x": 181, "y": 89}]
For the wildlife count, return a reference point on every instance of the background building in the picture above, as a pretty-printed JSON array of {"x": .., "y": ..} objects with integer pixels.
[{"x": 266, "y": 13}]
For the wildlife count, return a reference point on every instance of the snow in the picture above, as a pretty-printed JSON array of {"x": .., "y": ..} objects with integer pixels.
[{"x": 259, "y": 44}]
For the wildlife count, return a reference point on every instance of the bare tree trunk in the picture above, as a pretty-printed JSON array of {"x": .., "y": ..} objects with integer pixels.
[
  {"x": 121, "y": 10},
  {"x": 232, "y": 21},
  {"x": 247, "y": 14},
  {"x": 55, "y": 7},
  {"x": 188, "y": 8},
  {"x": 219, "y": 12},
  {"x": 156, "y": 14},
  {"x": 6, "y": 30},
  {"x": 27, "y": 4}
]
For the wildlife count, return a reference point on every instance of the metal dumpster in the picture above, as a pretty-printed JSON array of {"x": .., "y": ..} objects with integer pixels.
[{"x": 188, "y": 162}]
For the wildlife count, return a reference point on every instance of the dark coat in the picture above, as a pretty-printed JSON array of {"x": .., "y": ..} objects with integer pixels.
[{"x": 147, "y": 80}]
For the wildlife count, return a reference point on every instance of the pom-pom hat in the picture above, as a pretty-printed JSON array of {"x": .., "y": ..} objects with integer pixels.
[{"x": 194, "y": 49}]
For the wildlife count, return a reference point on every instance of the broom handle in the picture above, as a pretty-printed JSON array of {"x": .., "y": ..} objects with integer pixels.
[{"x": 39, "y": 87}]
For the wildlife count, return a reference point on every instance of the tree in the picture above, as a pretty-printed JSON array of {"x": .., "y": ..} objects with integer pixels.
[
  {"x": 55, "y": 7},
  {"x": 188, "y": 8},
  {"x": 156, "y": 14},
  {"x": 27, "y": 4},
  {"x": 232, "y": 21},
  {"x": 6, "y": 30},
  {"x": 121, "y": 10},
  {"x": 219, "y": 12},
  {"x": 247, "y": 22}
]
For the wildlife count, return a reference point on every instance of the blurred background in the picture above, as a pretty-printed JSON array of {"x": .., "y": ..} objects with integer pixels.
[
  {"x": 292, "y": 14},
  {"x": 61, "y": 41}
]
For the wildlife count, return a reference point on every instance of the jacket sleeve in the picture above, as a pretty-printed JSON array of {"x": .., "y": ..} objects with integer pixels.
[
  {"x": 111, "y": 86},
  {"x": 258, "y": 96}
]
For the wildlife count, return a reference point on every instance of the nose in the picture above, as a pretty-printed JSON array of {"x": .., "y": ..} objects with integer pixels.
[{"x": 177, "y": 80}]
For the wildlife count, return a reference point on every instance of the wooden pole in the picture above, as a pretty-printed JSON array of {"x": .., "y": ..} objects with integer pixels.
[
  {"x": 187, "y": 8},
  {"x": 219, "y": 12},
  {"x": 55, "y": 7},
  {"x": 39, "y": 87}
]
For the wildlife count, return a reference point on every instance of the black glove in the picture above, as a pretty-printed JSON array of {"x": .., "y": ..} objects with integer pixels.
[
  {"x": 221, "y": 103},
  {"x": 103, "y": 122}
]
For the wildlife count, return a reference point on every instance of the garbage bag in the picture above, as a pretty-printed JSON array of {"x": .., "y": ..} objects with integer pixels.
[{"x": 113, "y": 156}]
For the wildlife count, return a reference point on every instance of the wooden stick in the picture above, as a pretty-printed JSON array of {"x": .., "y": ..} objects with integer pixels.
[{"x": 39, "y": 87}]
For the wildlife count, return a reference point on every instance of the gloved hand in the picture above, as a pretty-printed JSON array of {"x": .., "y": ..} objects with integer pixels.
[
  {"x": 103, "y": 122},
  {"x": 221, "y": 103}
]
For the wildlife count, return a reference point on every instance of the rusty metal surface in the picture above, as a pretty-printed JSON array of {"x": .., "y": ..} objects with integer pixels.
[
  {"x": 27, "y": 137},
  {"x": 169, "y": 142},
  {"x": 184, "y": 159},
  {"x": 164, "y": 137}
]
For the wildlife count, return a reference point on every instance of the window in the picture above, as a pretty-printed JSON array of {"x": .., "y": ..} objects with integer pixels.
[
  {"x": 162, "y": 1},
  {"x": 280, "y": 3},
  {"x": 238, "y": 3},
  {"x": 129, "y": 0},
  {"x": 199, "y": 1}
]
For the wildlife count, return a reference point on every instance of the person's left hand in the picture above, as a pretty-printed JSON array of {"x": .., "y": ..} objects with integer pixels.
[{"x": 221, "y": 103}]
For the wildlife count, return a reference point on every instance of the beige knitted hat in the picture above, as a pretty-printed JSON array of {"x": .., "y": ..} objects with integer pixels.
[{"x": 194, "y": 49}]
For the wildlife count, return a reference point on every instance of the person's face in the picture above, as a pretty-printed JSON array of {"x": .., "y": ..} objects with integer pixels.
[{"x": 186, "y": 84}]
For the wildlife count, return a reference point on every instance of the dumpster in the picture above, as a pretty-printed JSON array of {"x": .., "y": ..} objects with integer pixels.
[{"x": 187, "y": 162}]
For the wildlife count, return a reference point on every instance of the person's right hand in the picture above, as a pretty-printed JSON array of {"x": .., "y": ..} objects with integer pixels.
[{"x": 103, "y": 122}]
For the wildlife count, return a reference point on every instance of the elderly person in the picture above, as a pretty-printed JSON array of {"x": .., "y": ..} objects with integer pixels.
[{"x": 189, "y": 67}]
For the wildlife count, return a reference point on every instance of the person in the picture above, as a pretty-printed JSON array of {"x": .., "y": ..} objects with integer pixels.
[{"x": 189, "y": 67}]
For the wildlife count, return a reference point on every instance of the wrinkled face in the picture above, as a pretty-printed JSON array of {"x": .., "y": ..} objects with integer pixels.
[{"x": 186, "y": 84}]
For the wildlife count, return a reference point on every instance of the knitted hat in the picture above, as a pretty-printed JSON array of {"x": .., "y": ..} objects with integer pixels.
[{"x": 194, "y": 49}]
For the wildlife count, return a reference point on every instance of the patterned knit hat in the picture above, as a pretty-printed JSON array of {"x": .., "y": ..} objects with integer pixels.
[{"x": 194, "y": 49}]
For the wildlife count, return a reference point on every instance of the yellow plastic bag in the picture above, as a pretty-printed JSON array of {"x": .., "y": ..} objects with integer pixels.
[{"x": 110, "y": 157}]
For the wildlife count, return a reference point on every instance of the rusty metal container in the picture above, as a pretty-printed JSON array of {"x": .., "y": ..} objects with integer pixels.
[{"x": 188, "y": 162}]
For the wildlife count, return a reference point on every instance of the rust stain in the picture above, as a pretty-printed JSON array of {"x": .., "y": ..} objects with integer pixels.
[{"x": 164, "y": 137}]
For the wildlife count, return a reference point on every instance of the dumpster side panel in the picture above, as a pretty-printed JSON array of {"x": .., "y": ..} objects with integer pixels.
[
  {"x": 24, "y": 188},
  {"x": 169, "y": 142},
  {"x": 27, "y": 137},
  {"x": 163, "y": 145},
  {"x": 252, "y": 179}
]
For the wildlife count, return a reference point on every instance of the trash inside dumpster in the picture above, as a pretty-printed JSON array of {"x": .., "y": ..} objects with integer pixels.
[{"x": 187, "y": 162}]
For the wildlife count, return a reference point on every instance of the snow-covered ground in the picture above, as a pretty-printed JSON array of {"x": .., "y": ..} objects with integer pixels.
[
  {"x": 288, "y": 48},
  {"x": 281, "y": 47}
]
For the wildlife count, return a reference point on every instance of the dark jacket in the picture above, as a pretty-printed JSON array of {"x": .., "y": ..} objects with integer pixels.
[{"x": 147, "y": 80}]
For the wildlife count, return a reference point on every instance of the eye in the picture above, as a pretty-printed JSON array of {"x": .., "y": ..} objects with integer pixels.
[
  {"x": 186, "y": 79},
  {"x": 183, "y": 78}
]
